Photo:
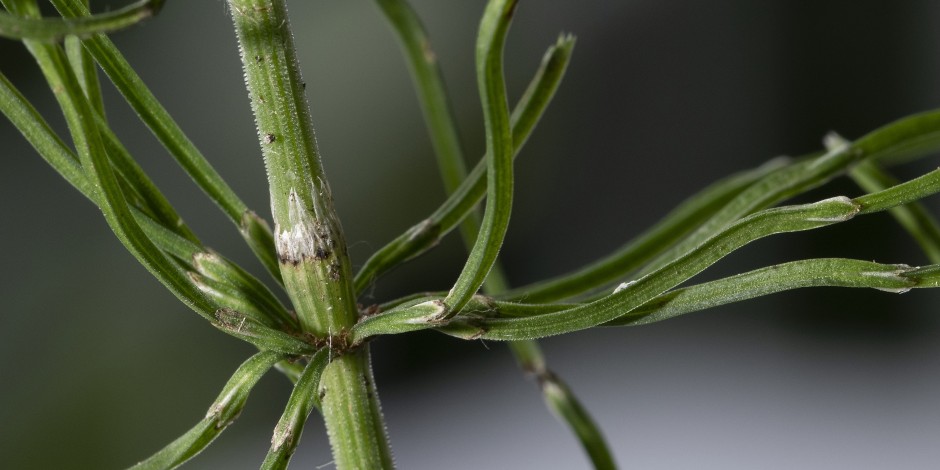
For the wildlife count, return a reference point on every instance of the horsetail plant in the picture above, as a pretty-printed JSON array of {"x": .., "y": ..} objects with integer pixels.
[{"x": 320, "y": 342}]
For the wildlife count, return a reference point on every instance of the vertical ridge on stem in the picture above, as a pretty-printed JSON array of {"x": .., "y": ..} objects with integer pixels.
[{"x": 310, "y": 245}]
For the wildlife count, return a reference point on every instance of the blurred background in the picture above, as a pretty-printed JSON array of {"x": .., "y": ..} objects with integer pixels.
[{"x": 100, "y": 366}]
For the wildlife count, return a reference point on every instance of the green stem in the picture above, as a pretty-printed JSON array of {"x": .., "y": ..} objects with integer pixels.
[
  {"x": 357, "y": 434},
  {"x": 310, "y": 244},
  {"x": 309, "y": 239}
]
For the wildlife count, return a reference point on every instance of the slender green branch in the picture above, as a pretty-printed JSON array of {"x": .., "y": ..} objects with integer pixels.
[
  {"x": 244, "y": 290},
  {"x": 44, "y": 140},
  {"x": 632, "y": 295},
  {"x": 490, "y": 41},
  {"x": 770, "y": 280},
  {"x": 416, "y": 315},
  {"x": 108, "y": 194},
  {"x": 153, "y": 200},
  {"x": 301, "y": 402},
  {"x": 248, "y": 289},
  {"x": 180, "y": 248},
  {"x": 53, "y": 150},
  {"x": 918, "y": 134},
  {"x": 50, "y": 147},
  {"x": 748, "y": 229},
  {"x": 824, "y": 272},
  {"x": 85, "y": 70},
  {"x": 54, "y": 29},
  {"x": 673, "y": 227},
  {"x": 155, "y": 116},
  {"x": 248, "y": 310},
  {"x": 900, "y": 194},
  {"x": 415, "y": 312},
  {"x": 564, "y": 404},
  {"x": 246, "y": 328},
  {"x": 913, "y": 217},
  {"x": 927, "y": 276},
  {"x": 904, "y": 139},
  {"x": 557, "y": 395},
  {"x": 424, "y": 235},
  {"x": 160, "y": 230},
  {"x": 429, "y": 83},
  {"x": 221, "y": 414}
]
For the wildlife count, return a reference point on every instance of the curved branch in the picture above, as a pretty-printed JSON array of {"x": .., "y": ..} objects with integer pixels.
[{"x": 55, "y": 29}]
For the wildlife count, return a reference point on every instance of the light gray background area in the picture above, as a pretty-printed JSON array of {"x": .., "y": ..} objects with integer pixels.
[{"x": 99, "y": 366}]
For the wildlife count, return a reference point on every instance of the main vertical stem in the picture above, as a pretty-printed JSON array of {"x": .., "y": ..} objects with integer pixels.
[{"x": 308, "y": 236}]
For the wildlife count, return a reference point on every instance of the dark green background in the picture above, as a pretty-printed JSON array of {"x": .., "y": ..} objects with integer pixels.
[{"x": 99, "y": 366}]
